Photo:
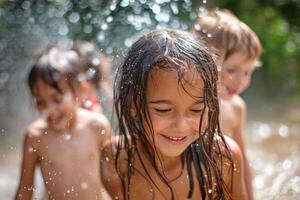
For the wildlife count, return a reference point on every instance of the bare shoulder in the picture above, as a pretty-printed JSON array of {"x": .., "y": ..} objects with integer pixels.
[
  {"x": 36, "y": 129},
  {"x": 238, "y": 104},
  {"x": 34, "y": 133},
  {"x": 234, "y": 149},
  {"x": 97, "y": 121},
  {"x": 228, "y": 144}
]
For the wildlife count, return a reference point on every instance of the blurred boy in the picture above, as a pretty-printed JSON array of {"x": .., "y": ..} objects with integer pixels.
[
  {"x": 65, "y": 141},
  {"x": 238, "y": 50}
]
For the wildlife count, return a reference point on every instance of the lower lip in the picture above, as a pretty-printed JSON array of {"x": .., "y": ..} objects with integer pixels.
[
  {"x": 231, "y": 92},
  {"x": 176, "y": 142}
]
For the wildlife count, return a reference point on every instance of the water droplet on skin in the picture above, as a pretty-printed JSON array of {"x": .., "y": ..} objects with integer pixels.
[
  {"x": 209, "y": 191},
  {"x": 30, "y": 149},
  {"x": 287, "y": 164},
  {"x": 67, "y": 137},
  {"x": 84, "y": 185},
  {"x": 107, "y": 159}
]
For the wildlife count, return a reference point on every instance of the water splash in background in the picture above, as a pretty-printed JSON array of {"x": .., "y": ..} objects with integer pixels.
[{"x": 114, "y": 25}]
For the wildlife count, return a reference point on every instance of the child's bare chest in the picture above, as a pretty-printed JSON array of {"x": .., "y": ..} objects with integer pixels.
[
  {"x": 60, "y": 152},
  {"x": 144, "y": 188}
]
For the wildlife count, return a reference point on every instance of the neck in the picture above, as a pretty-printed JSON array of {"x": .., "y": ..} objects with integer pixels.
[{"x": 170, "y": 167}]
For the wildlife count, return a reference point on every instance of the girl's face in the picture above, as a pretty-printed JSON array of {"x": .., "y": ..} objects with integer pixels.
[
  {"x": 175, "y": 114},
  {"x": 58, "y": 108},
  {"x": 236, "y": 74}
]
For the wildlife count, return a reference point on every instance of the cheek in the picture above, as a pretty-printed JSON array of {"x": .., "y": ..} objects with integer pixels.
[
  {"x": 226, "y": 78},
  {"x": 246, "y": 83},
  {"x": 159, "y": 123}
]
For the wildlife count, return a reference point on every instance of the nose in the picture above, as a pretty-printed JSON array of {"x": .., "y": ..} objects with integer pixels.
[
  {"x": 51, "y": 108},
  {"x": 182, "y": 123}
]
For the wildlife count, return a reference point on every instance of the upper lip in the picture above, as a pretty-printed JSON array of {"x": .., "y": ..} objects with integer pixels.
[
  {"x": 175, "y": 137},
  {"x": 54, "y": 119}
]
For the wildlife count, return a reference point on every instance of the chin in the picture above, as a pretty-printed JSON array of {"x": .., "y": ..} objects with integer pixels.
[
  {"x": 171, "y": 154},
  {"x": 60, "y": 126}
]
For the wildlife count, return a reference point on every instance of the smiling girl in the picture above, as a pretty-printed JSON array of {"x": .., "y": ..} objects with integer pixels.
[{"x": 169, "y": 144}]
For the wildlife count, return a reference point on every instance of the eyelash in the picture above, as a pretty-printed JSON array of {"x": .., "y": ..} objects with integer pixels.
[
  {"x": 197, "y": 111},
  {"x": 168, "y": 110},
  {"x": 162, "y": 110}
]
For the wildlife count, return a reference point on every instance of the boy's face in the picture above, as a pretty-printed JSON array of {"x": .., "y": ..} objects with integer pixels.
[
  {"x": 174, "y": 113},
  {"x": 236, "y": 74},
  {"x": 58, "y": 108}
]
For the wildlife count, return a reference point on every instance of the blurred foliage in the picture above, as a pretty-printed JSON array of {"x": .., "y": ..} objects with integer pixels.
[
  {"x": 277, "y": 24},
  {"x": 109, "y": 24},
  {"x": 114, "y": 25}
]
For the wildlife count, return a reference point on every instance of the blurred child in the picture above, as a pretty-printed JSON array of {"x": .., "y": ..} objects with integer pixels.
[
  {"x": 169, "y": 145},
  {"x": 95, "y": 91},
  {"x": 239, "y": 51},
  {"x": 65, "y": 141}
]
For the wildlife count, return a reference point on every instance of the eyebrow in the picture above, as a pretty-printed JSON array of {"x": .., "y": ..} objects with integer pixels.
[{"x": 199, "y": 100}]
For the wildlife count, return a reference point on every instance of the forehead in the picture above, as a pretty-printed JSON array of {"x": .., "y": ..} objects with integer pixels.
[
  {"x": 42, "y": 89},
  {"x": 240, "y": 60},
  {"x": 166, "y": 83}
]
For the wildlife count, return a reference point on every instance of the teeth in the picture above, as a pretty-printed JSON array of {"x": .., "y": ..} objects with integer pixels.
[{"x": 176, "y": 138}]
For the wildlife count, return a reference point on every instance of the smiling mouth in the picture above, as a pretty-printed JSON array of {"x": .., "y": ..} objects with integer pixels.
[
  {"x": 55, "y": 120},
  {"x": 231, "y": 91},
  {"x": 175, "y": 140}
]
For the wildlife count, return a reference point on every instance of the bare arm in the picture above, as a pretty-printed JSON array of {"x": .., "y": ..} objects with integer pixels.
[
  {"x": 239, "y": 137},
  {"x": 29, "y": 162},
  {"x": 237, "y": 182}
]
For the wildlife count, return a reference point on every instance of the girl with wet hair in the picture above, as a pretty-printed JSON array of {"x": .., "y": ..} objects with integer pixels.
[{"x": 168, "y": 142}]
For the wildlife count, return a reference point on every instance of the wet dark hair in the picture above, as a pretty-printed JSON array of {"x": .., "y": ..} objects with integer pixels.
[
  {"x": 90, "y": 62},
  {"x": 169, "y": 49},
  {"x": 52, "y": 65}
]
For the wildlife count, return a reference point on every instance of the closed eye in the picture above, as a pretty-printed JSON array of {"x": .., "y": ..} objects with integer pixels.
[
  {"x": 197, "y": 110},
  {"x": 162, "y": 110}
]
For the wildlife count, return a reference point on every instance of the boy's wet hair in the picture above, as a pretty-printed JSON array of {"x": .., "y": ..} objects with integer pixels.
[
  {"x": 90, "y": 62},
  {"x": 168, "y": 49},
  {"x": 224, "y": 32},
  {"x": 53, "y": 65}
]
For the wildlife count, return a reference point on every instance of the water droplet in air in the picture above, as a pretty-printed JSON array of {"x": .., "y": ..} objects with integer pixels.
[{"x": 283, "y": 131}]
